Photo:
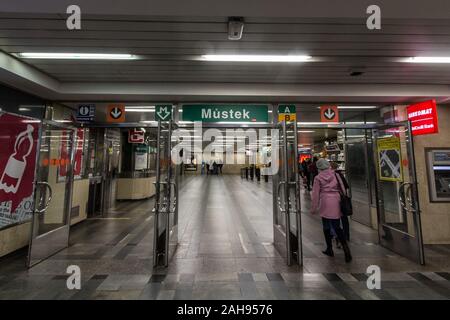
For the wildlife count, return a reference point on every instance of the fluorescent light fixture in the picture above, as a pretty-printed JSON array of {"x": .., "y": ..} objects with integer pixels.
[
  {"x": 140, "y": 108},
  {"x": 149, "y": 121},
  {"x": 428, "y": 60},
  {"x": 354, "y": 107},
  {"x": 255, "y": 58},
  {"x": 313, "y": 123},
  {"x": 359, "y": 122},
  {"x": 78, "y": 56},
  {"x": 24, "y": 109},
  {"x": 305, "y": 131},
  {"x": 357, "y": 107}
]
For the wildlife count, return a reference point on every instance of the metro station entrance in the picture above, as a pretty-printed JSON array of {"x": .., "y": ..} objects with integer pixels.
[
  {"x": 286, "y": 201},
  {"x": 397, "y": 207}
]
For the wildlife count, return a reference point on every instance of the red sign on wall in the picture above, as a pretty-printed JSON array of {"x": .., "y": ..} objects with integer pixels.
[
  {"x": 18, "y": 140},
  {"x": 136, "y": 136},
  {"x": 329, "y": 114},
  {"x": 423, "y": 117},
  {"x": 78, "y": 153}
]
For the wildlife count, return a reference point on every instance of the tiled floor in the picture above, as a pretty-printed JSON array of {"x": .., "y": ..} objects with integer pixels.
[{"x": 225, "y": 252}]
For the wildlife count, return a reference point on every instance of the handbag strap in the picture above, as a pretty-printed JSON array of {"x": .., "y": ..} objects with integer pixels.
[{"x": 341, "y": 191}]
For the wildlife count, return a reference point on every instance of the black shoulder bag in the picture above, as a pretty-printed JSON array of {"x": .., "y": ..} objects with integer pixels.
[{"x": 346, "y": 201}]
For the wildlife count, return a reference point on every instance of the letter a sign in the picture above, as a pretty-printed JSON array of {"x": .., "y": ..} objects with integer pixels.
[
  {"x": 287, "y": 112},
  {"x": 163, "y": 112},
  {"x": 329, "y": 114}
]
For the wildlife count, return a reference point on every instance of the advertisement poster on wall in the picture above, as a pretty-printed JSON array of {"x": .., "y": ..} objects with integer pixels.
[
  {"x": 78, "y": 163},
  {"x": 389, "y": 159},
  {"x": 19, "y": 140}
]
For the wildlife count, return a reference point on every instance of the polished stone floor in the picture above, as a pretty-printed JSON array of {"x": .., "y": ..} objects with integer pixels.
[{"x": 225, "y": 252}]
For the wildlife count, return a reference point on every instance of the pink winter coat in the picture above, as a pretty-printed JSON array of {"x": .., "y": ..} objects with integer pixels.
[{"x": 325, "y": 194}]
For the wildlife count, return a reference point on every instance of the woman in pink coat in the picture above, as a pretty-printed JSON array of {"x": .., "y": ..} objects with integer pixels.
[{"x": 326, "y": 199}]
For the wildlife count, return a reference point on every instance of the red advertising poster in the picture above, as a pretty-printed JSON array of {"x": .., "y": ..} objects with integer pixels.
[
  {"x": 19, "y": 140},
  {"x": 79, "y": 153},
  {"x": 64, "y": 154},
  {"x": 423, "y": 117}
]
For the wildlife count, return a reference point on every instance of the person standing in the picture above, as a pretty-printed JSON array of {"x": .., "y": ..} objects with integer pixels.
[
  {"x": 312, "y": 170},
  {"x": 344, "y": 218},
  {"x": 306, "y": 174},
  {"x": 220, "y": 165},
  {"x": 207, "y": 167},
  {"x": 326, "y": 200}
]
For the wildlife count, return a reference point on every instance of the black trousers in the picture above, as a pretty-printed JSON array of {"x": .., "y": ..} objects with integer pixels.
[
  {"x": 327, "y": 224},
  {"x": 346, "y": 227}
]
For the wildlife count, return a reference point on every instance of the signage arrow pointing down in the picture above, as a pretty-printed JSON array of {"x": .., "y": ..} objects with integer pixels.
[
  {"x": 166, "y": 113},
  {"x": 116, "y": 113},
  {"x": 329, "y": 114}
]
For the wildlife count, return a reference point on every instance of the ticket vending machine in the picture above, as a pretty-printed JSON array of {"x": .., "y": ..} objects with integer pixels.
[{"x": 438, "y": 169}]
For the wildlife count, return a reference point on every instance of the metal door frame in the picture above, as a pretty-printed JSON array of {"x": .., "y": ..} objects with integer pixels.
[
  {"x": 68, "y": 193},
  {"x": 288, "y": 208},
  {"x": 172, "y": 180},
  {"x": 413, "y": 187}
]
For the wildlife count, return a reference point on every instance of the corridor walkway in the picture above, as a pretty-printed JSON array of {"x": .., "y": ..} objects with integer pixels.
[{"x": 225, "y": 252}]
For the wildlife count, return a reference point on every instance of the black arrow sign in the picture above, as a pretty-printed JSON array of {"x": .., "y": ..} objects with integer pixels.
[
  {"x": 115, "y": 113},
  {"x": 329, "y": 114}
]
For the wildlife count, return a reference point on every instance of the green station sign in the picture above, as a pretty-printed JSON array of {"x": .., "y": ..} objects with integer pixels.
[
  {"x": 163, "y": 112},
  {"x": 226, "y": 112}
]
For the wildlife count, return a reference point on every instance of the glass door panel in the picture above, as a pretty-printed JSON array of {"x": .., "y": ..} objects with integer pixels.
[
  {"x": 166, "y": 204},
  {"x": 287, "y": 220},
  {"x": 53, "y": 190},
  {"x": 398, "y": 207}
]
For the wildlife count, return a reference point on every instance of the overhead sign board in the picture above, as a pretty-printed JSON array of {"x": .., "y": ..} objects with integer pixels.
[
  {"x": 225, "y": 112},
  {"x": 163, "y": 112},
  {"x": 136, "y": 136},
  {"x": 115, "y": 113},
  {"x": 329, "y": 114},
  {"x": 85, "y": 112},
  {"x": 423, "y": 117},
  {"x": 287, "y": 112}
]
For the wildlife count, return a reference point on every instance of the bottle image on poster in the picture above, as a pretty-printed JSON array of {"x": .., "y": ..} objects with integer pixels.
[{"x": 17, "y": 162}]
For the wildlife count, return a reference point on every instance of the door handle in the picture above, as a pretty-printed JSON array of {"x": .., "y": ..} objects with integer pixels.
[
  {"x": 49, "y": 199},
  {"x": 278, "y": 195},
  {"x": 401, "y": 195},
  {"x": 175, "y": 190},
  {"x": 409, "y": 197},
  {"x": 405, "y": 196}
]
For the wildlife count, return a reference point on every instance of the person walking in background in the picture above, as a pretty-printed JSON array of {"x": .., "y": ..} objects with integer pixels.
[
  {"x": 207, "y": 167},
  {"x": 203, "y": 167},
  {"x": 214, "y": 166},
  {"x": 326, "y": 200},
  {"x": 220, "y": 165},
  {"x": 344, "y": 219},
  {"x": 312, "y": 169},
  {"x": 305, "y": 165}
]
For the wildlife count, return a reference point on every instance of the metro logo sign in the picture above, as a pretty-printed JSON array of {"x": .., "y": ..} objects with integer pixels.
[{"x": 423, "y": 117}]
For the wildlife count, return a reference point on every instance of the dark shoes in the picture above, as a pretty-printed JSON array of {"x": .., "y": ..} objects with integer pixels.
[
  {"x": 328, "y": 252},
  {"x": 347, "y": 253}
]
